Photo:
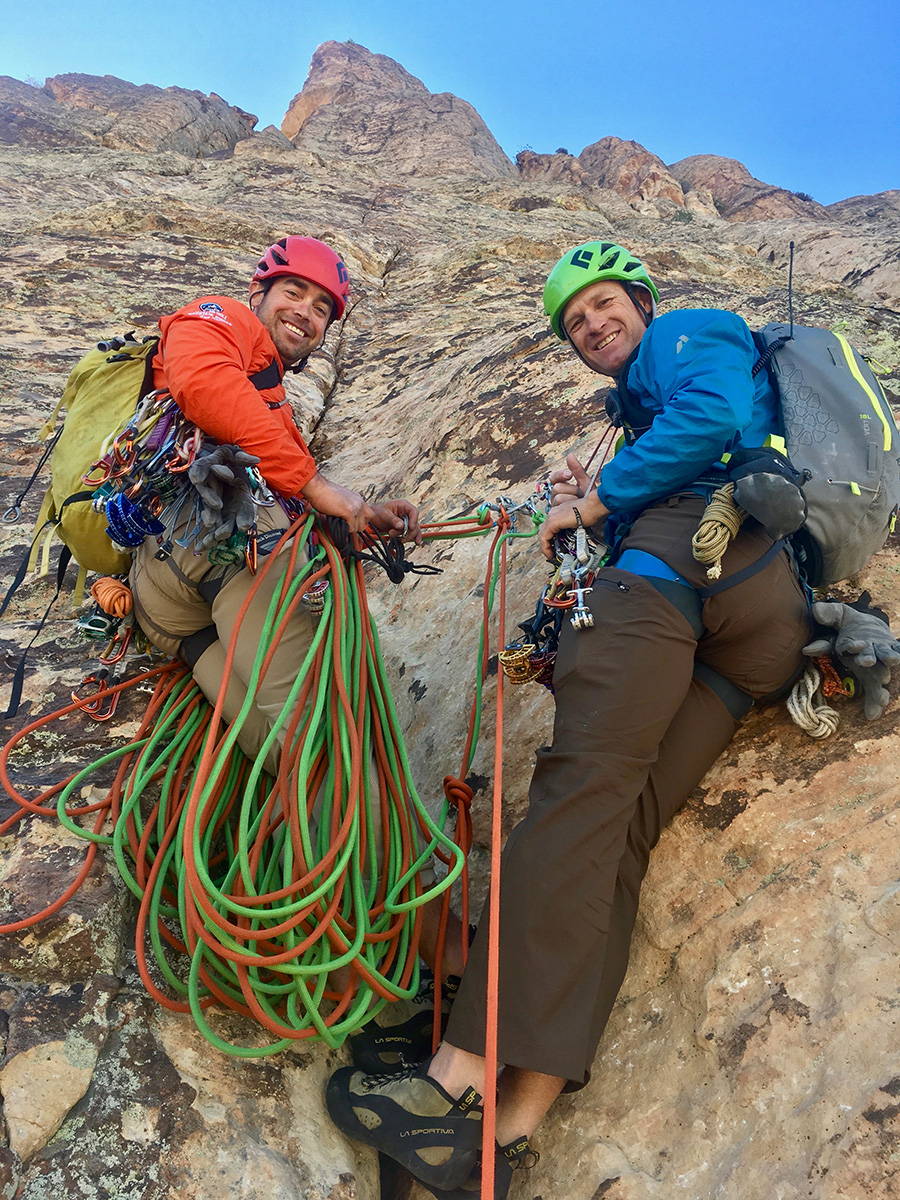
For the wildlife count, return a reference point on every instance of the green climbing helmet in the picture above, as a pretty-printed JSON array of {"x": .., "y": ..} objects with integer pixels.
[{"x": 584, "y": 265}]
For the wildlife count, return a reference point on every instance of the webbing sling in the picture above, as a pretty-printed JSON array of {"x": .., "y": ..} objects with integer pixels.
[{"x": 18, "y": 679}]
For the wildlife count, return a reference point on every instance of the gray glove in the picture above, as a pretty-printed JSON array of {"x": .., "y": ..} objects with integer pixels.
[
  {"x": 238, "y": 512},
  {"x": 220, "y": 479},
  {"x": 864, "y": 644}
]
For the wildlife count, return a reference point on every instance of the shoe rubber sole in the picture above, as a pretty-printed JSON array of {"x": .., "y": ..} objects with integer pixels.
[{"x": 418, "y": 1133}]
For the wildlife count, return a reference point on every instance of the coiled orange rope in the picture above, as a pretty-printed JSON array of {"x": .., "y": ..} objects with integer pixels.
[{"x": 113, "y": 596}]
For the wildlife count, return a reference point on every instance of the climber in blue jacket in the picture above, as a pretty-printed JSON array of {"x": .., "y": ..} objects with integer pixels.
[{"x": 646, "y": 700}]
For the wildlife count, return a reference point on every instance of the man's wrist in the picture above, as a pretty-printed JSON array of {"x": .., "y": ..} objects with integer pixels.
[{"x": 591, "y": 509}]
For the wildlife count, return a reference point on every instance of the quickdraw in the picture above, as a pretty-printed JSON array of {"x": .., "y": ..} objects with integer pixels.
[{"x": 579, "y": 556}]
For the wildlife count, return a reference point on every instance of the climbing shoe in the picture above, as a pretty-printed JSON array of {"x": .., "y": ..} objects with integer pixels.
[
  {"x": 401, "y": 1035},
  {"x": 518, "y": 1155},
  {"x": 410, "y": 1117}
]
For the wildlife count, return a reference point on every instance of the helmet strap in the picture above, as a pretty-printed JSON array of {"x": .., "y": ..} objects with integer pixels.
[{"x": 631, "y": 290}]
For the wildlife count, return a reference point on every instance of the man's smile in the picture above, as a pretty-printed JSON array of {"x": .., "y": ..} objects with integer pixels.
[{"x": 609, "y": 337}]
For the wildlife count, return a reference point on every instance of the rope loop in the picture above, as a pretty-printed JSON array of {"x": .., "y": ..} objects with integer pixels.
[
  {"x": 721, "y": 520},
  {"x": 806, "y": 707},
  {"x": 113, "y": 596},
  {"x": 458, "y": 792}
]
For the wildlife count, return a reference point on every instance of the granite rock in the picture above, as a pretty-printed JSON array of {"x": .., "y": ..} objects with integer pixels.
[
  {"x": 364, "y": 107},
  {"x": 629, "y": 169},
  {"x": 560, "y": 167},
  {"x": 737, "y": 194},
  {"x": 73, "y": 109}
]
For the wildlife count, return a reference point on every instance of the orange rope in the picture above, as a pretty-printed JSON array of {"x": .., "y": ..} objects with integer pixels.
[
  {"x": 113, "y": 596},
  {"x": 168, "y": 676},
  {"x": 489, "y": 1120}
]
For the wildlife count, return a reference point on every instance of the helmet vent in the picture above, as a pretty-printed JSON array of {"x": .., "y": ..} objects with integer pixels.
[
  {"x": 282, "y": 243},
  {"x": 279, "y": 258}
]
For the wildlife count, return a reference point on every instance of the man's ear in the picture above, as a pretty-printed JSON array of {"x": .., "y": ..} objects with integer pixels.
[
  {"x": 641, "y": 299},
  {"x": 255, "y": 293}
]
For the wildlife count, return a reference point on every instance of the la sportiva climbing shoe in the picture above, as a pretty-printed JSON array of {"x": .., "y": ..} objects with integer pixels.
[
  {"x": 518, "y": 1155},
  {"x": 410, "y": 1117},
  {"x": 401, "y": 1035}
]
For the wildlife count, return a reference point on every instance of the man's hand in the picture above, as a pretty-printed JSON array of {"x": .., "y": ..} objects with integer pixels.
[
  {"x": 562, "y": 516},
  {"x": 398, "y": 518},
  {"x": 569, "y": 482},
  {"x": 337, "y": 501}
]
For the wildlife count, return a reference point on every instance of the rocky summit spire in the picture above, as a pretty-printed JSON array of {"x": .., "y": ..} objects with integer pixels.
[{"x": 362, "y": 106}]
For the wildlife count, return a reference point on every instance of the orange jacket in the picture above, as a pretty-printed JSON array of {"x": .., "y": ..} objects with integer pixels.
[{"x": 208, "y": 350}]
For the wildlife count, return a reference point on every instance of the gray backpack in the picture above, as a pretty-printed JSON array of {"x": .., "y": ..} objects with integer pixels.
[{"x": 839, "y": 430}]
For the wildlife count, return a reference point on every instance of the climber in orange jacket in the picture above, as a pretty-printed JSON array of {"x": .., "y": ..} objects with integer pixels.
[{"x": 223, "y": 363}]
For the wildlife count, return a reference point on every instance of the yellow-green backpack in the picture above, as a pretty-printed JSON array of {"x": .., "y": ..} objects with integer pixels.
[{"x": 100, "y": 395}]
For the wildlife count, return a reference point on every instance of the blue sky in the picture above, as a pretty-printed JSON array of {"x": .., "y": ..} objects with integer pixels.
[{"x": 803, "y": 92}]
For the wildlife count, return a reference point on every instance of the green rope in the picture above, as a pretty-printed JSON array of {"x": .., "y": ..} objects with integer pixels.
[{"x": 245, "y": 934}]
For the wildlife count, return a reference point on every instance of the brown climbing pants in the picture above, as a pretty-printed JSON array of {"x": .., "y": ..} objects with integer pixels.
[{"x": 635, "y": 731}]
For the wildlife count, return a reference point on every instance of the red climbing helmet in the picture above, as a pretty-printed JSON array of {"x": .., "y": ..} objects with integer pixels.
[{"x": 310, "y": 259}]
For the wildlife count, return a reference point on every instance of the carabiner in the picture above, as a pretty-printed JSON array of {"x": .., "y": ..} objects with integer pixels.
[
  {"x": 93, "y": 704},
  {"x": 186, "y": 452},
  {"x": 117, "y": 647},
  {"x": 251, "y": 554},
  {"x": 102, "y": 465}
]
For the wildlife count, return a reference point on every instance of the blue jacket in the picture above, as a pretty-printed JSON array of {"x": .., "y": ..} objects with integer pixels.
[{"x": 692, "y": 370}]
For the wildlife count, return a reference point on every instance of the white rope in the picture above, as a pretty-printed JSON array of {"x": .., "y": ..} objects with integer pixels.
[{"x": 807, "y": 707}]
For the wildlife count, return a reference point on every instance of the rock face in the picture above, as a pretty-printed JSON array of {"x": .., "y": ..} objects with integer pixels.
[
  {"x": 629, "y": 169},
  {"x": 737, "y": 195},
  {"x": 560, "y": 167},
  {"x": 624, "y": 168},
  {"x": 29, "y": 116},
  {"x": 884, "y": 207},
  {"x": 753, "y": 1049},
  {"x": 365, "y": 107},
  {"x": 74, "y": 109}
]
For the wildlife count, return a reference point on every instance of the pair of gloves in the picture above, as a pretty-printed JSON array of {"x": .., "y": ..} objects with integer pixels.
[
  {"x": 863, "y": 642},
  {"x": 219, "y": 475}
]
